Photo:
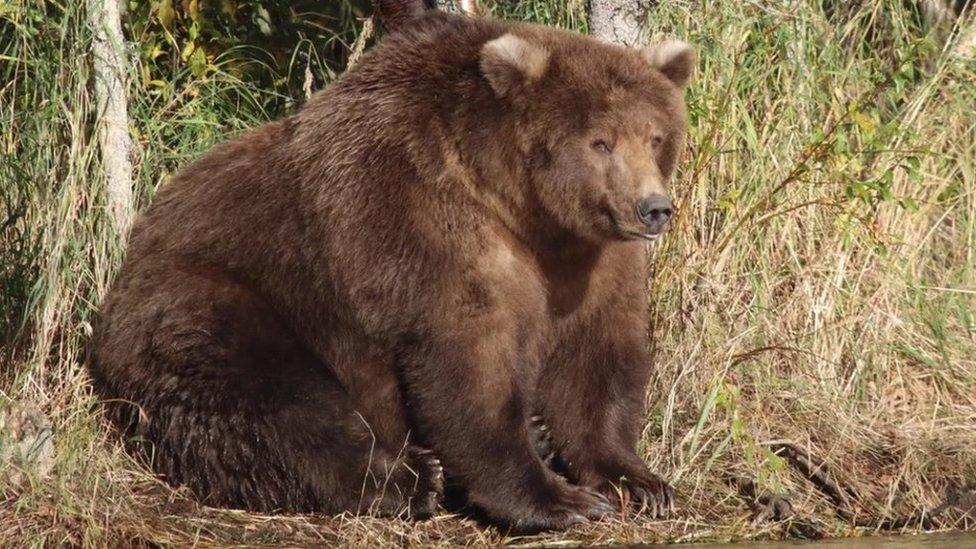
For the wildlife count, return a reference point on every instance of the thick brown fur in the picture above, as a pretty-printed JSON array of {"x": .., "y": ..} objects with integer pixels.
[{"x": 437, "y": 247}]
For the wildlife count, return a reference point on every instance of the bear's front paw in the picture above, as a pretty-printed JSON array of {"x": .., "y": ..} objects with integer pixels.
[
  {"x": 565, "y": 506},
  {"x": 647, "y": 492},
  {"x": 429, "y": 489}
]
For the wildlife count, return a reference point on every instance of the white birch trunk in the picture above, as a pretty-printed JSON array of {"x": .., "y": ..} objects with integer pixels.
[
  {"x": 110, "y": 66},
  {"x": 469, "y": 7},
  {"x": 620, "y": 21}
]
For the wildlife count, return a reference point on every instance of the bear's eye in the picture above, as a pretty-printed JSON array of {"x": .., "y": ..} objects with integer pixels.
[
  {"x": 656, "y": 141},
  {"x": 602, "y": 146}
]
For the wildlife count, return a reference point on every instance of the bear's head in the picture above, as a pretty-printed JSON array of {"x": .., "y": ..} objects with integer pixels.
[{"x": 599, "y": 126}]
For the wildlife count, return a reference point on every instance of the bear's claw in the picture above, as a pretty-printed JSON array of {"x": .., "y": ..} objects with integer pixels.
[
  {"x": 652, "y": 496},
  {"x": 429, "y": 489},
  {"x": 542, "y": 440}
]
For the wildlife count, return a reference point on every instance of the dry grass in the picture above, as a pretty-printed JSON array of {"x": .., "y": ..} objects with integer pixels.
[{"x": 819, "y": 285}]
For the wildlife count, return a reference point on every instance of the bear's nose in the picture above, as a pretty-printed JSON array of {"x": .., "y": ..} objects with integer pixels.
[{"x": 654, "y": 211}]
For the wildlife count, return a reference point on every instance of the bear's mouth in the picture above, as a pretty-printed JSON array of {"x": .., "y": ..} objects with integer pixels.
[
  {"x": 650, "y": 236},
  {"x": 637, "y": 235},
  {"x": 626, "y": 233}
]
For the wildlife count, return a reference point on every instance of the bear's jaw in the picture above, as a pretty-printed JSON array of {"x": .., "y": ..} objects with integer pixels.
[{"x": 650, "y": 237}]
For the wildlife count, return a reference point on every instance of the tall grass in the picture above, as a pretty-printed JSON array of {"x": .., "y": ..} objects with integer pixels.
[{"x": 819, "y": 284}]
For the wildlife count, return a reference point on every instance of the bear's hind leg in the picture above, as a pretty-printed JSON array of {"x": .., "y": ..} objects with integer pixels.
[{"x": 230, "y": 404}]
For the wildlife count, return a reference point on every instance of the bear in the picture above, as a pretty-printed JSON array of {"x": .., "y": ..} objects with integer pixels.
[{"x": 341, "y": 310}]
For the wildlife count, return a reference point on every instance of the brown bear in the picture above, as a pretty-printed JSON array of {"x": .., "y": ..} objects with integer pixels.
[{"x": 440, "y": 246}]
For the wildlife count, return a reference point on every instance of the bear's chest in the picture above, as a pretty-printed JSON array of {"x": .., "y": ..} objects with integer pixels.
[{"x": 518, "y": 285}]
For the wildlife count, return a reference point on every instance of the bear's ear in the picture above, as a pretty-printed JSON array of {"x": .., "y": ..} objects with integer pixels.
[
  {"x": 509, "y": 61},
  {"x": 674, "y": 58}
]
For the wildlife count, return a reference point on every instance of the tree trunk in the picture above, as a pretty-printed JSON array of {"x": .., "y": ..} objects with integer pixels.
[
  {"x": 620, "y": 21},
  {"x": 469, "y": 7},
  {"x": 109, "y": 63}
]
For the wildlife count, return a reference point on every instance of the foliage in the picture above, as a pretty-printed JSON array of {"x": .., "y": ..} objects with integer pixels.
[{"x": 287, "y": 46}]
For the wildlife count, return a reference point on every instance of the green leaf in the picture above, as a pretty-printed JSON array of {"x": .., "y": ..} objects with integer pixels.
[
  {"x": 188, "y": 51},
  {"x": 193, "y": 9},
  {"x": 198, "y": 62},
  {"x": 865, "y": 122},
  {"x": 166, "y": 14},
  {"x": 263, "y": 20}
]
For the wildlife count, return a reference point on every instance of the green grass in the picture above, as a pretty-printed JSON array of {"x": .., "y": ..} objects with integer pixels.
[{"x": 819, "y": 284}]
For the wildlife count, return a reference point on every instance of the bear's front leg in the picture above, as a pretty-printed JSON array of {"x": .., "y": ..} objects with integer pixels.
[
  {"x": 466, "y": 394},
  {"x": 592, "y": 394}
]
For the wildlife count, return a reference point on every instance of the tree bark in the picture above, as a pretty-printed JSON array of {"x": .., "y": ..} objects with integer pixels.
[
  {"x": 620, "y": 21},
  {"x": 469, "y": 7},
  {"x": 110, "y": 66}
]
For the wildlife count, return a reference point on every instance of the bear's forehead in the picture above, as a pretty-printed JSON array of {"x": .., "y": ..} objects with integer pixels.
[
  {"x": 593, "y": 81},
  {"x": 601, "y": 59},
  {"x": 622, "y": 96},
  {"x": 640, "y": 118},
  {"x": 617, "y": 70}
]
